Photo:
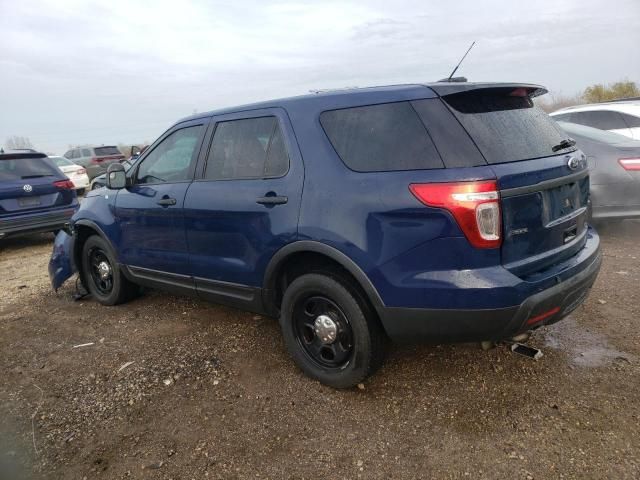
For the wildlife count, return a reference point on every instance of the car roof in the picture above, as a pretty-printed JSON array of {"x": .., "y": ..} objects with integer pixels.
[
  {"x": 628, "y": 106},
  {"x": 440, "y": 88}
]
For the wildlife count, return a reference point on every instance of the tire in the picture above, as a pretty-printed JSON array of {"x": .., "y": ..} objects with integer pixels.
[
  {"x": 112, "y": 288},
  {"x": 341, "y": 352},
  {"x": 80, "y": 191}
]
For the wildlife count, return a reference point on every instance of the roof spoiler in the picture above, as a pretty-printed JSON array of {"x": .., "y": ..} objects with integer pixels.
[
  {"x": 449, "y": 88},
  {"x": 16, "y": 156}
]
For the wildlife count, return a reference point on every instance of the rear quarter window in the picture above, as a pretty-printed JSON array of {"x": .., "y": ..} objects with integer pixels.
[{"x": 383, "y": 137}]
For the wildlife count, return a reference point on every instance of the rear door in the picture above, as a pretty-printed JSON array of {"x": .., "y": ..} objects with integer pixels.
[
  {"x": 544, "y": 183},
  {"x": 244, "y": 205},
  {"x": 150, "y": 212}
]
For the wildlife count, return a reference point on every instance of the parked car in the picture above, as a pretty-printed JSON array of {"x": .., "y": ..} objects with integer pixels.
[
  {"x": 35, "y": 196},
  {"x": 95, "y": 159},
  {"x": 101, "y": 180},
  {"x": 76, "y": 173},
  {"x": 614, "y": 161},
  {"x": 622, "y": 117},
  {"x": 440, "y": 212}
]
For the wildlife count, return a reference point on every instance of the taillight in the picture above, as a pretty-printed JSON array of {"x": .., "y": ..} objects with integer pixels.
[
  {"x": 630, "y": 163},
  {"x": 63, "y": 184},
  {"x": 474, "y": 205},
  {"x": 95, "y": 160}
]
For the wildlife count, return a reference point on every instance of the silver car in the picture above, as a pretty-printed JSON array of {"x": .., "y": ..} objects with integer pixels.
[
  {"x": 614, "y": 161},
  {"x": 95, "y": 159}
]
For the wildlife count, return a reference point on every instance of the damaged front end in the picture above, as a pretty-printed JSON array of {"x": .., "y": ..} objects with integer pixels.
[{"x": 61, "y": 264}]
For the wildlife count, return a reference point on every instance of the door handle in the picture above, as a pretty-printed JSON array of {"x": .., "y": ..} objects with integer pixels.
[
  {"x": 166, "y": 202},
  {"x": 272, "y": 200}
]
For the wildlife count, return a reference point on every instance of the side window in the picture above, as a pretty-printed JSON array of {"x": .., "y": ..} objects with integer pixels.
[
  {"x": 172, "y": 159},
  {"x": 248, "y": 148},
  {"x": 630, "y": 120},
  {"x": 382, "y": 137},
  {"x": 602, "y": 119},
  {"x": 86, "y": 152},
  {"x": 68, "y": 154},
  {"x": 74, "y": 153}
]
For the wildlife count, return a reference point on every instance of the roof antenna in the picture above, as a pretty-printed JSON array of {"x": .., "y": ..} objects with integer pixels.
[{"x": 451, "y": 77}]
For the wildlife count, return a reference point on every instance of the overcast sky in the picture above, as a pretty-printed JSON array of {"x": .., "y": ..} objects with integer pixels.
[{"x": 108, "y": 71}]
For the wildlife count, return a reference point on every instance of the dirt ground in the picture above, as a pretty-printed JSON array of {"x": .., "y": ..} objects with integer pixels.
[{"x": 211, "y": 392}]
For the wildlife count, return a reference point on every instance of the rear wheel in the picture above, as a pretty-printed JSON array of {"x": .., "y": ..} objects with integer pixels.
[
  {"x": 102, "y": 275},
  {"x": 327, "y": 332}
]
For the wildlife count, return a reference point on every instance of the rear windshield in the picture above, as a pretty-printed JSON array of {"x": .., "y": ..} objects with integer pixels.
[
  {"x": 505, "y": 124},
  {"x": 24, "y": 168},
  {"x": 61, "y": 161},
  {"x": 100, "y": 151}
]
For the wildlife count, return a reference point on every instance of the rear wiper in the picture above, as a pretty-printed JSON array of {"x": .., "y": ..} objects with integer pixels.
[
  {"x": 36, "y": 176},
  {"x": 566, "y": 143}
]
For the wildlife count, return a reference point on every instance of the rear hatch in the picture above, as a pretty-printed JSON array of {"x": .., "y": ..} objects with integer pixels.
[
  {"x": 106, "y": 155},
  {"x": 542, "y": 178},
  {"x": 30, "y": 183}
]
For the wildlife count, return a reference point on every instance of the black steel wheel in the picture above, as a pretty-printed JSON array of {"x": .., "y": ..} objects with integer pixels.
[
  {"x": 323, "y": 331},
  {"x": 101, "y": 273},
  {"x": 329, "y": 333},
  {"x": 101, "y": 270}
]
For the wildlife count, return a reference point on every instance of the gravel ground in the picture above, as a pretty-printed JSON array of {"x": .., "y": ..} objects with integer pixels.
[{"x": 175, "y": 388}]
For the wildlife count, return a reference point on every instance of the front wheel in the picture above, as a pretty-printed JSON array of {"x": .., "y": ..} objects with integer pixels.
[
  {"x": 102, "y": 275},
  {"x": 327, "y": 332}
]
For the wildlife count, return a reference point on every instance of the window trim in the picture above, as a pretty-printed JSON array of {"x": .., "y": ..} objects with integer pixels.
[
  {"x": 214, "y": 127},
  {"x": 133, "y": 171},
  {"x": 327, "y": 139}
]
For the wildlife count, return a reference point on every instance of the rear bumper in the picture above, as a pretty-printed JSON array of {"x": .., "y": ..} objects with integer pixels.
[
  {"x": 466, "y": 325},
  {"x": 35, "y": 222}
]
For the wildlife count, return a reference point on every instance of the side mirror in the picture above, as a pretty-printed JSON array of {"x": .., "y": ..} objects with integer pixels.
[{"x": 116, "y": 176}]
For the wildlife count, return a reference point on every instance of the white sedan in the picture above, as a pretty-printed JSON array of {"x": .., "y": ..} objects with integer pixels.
[
  {"x": 76, "y": 173},
  {"x": 620, "y": 116}
]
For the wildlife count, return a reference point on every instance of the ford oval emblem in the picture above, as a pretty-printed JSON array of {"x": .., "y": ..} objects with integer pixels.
[
  {"x": 574, "y": 163},
  {"x": 27, "y": 188}
]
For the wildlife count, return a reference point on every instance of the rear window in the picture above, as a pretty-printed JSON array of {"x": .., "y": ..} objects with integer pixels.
[
  {"x": 24, "y": 168},
  {"x": 505, "y": 125},
  {"x": 61, "y": 161},
  {"x": 603, "y": 136},
  {"x": 631, "y": 121},
  {"x": 381, "y": 137},
  {"x": 101, "y": 151}
]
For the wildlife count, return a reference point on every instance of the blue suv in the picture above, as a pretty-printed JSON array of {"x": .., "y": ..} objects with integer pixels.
[
  {"x": 440, "y": 212},
  {"x": 35, "y": 196}
]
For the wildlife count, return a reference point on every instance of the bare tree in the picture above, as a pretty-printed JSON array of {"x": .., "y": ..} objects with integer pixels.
[{"x": 17, "y": 142}]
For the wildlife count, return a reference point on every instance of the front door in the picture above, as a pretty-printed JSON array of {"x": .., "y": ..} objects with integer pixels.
[
  {"x": 244, "y": 204},
  {"x": 150, "y": 212}
]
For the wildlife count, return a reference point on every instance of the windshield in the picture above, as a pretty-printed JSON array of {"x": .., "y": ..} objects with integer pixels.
[
  {"x": 595, "y": 134},
  {"x": 506, "y": 125}
]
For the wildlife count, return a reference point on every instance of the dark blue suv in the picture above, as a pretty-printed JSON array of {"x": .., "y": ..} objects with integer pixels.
[
  {"x": 440, "y": 212},
  {"x": 35, "y": 196}
]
